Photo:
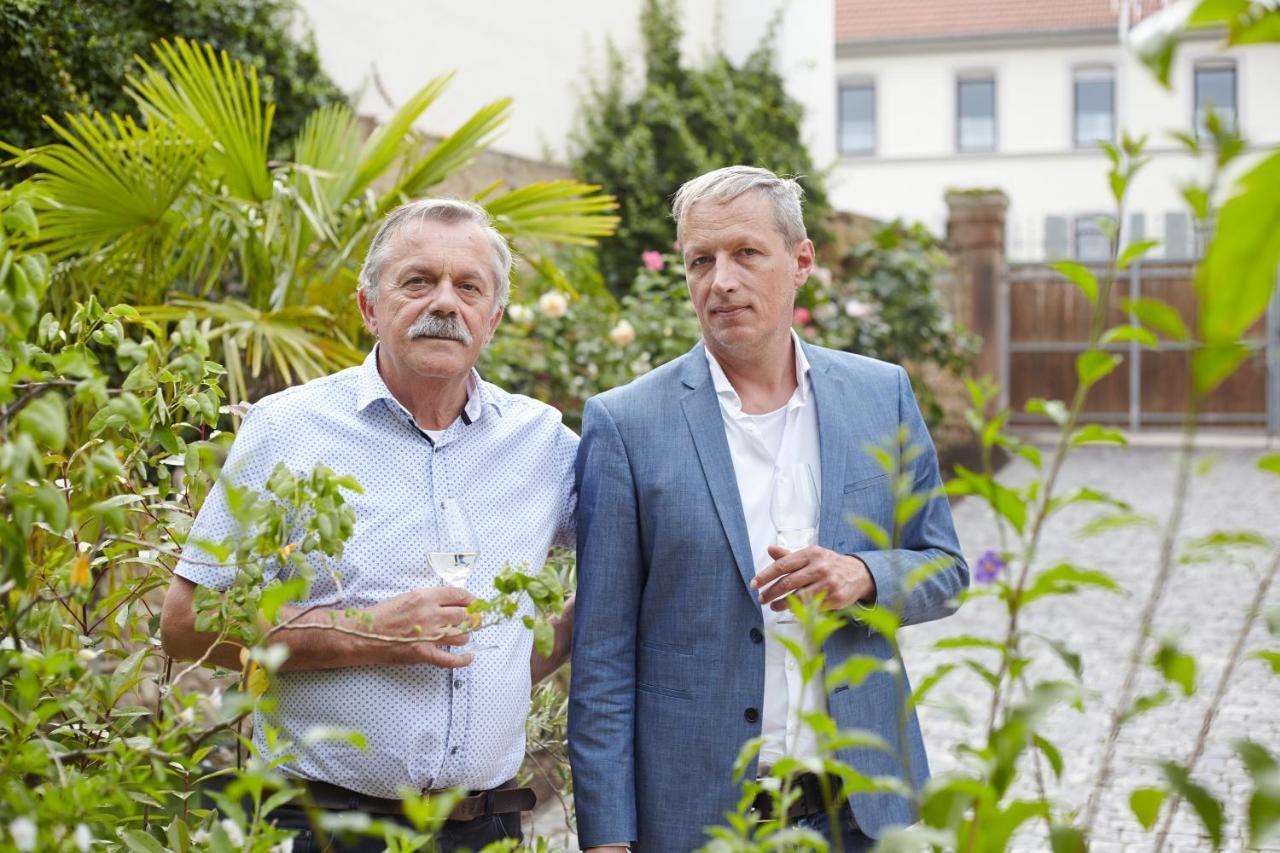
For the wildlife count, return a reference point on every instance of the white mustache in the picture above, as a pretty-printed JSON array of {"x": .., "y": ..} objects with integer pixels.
[{"x": 435, "y": 326}]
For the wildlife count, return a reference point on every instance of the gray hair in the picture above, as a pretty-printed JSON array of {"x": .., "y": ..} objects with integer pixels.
[
  {"x": 449, "y": 211},
  {"x": 724, "y": 185}
]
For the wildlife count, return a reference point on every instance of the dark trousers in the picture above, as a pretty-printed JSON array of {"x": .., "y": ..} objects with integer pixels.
[{"x": 454, "y": 837}]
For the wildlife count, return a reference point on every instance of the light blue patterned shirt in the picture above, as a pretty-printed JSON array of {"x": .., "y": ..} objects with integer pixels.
[{"x": 509, "y": 460}]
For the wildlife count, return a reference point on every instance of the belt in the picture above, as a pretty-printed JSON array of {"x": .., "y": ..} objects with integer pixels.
[
  {"x": 504, "y": 799},
  {"x": 809, "y": 802}
]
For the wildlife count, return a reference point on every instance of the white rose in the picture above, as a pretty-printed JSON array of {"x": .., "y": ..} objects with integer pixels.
[
  {"x": 233, "y": 831},
  {"x": 553, "y": 304},
  {"x": 825, "y": 311},
  {"x": 23, "y": 830},
  {"x": 521, "y": 314},
  {"x": 82, "y": 838},
  {"x": 87, "y": 655},
  {"x": 623, "y": 333},
  {"x": 187, "y": 716},
  {"x": 285, "y": 846},
  {"x": 200, "y": 836},
  {"x": 858, "y": 310}
]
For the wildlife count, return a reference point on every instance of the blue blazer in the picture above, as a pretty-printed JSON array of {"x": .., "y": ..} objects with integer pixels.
[{"x": 668, "y": 663}]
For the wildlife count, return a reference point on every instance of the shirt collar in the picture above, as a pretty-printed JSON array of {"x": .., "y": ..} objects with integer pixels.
[
  {"x": 370, "y": 388},
  {"x": 728, "y": 394}
]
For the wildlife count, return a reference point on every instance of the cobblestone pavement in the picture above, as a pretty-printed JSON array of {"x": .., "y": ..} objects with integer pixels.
[{"x": 1203, "y": 607}]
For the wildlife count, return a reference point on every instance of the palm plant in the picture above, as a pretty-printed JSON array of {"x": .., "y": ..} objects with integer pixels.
[{"x": 183, "y": 213}]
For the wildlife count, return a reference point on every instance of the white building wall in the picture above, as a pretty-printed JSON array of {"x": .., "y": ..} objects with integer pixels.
[
  {"x": 542, "y": 53},
  {"x": 1035, "y": 161}
]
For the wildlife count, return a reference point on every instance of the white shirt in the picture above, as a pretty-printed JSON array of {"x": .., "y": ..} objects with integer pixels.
[
  {"x": 758, "y": 444},
  {"x": 509, "y": 460}
]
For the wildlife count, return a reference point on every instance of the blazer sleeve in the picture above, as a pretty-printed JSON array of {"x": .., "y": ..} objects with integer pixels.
[
  {"x": 930, "y": 535},
  {"x": 610, "y": 583}
]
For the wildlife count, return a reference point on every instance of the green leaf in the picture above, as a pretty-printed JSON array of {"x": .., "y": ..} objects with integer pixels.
[
  {"x": 1064, "y": 579},
  {"x": 1124, "y": 334},
  {"x": 45, "y": 420},
  {"x": 1145, "y": 804},
  {"x": 544, "y": 638},
  {"x": 1098, "y": 434},
  {"x": 1270, "y": 463},
  {"x": 140, "y": 842},
  {"x": 1238, "y": 275},
  {"x": 1092, "y": 365},
  {"x": 1002, "y": 499},
  {"x": 1055, "y": 410},
  {"x": 853, "y": 671},
  {"x": 1272, "y": 658},
  {"x": 879, "y": 619},
  {"x": 1067, "y": 839},
  {"x": 1051, "y": 753},
  {"x": 872, "y": 531},
  {"x": 1159, "y": 315},
  {"x": 968, "y": 642},
  {"x": 1134, "y": 251},
  {"x": 1264, "y": 804},
  {"x": 1080, "y": 277},
  {"x": 1177, "y": 666},
  {"x": 1205, "y": 804},
  {"x": 1211, "y": 365}
]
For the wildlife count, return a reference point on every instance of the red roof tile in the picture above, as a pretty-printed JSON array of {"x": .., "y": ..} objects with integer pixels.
[{"x": 880, "y": 20}]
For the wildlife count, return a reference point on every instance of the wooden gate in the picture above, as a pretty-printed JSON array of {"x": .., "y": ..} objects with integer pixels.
[{"x": 1044, "y": 324}]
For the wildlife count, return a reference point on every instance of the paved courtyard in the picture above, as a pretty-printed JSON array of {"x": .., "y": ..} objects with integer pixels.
[{"x": 1202, "y": 607}]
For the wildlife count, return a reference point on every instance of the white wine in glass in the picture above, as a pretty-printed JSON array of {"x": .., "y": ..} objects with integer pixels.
[
  {"x": 793, "y": 509},
  {"x": 457, "y": 550}
]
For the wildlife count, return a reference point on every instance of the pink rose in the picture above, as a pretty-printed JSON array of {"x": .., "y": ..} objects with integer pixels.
[
  {"x": 802, "y": 317},
  {"x": 653, "y": 260}
]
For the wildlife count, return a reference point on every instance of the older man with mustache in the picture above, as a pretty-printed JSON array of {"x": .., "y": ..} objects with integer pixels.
[{"x": 419, "y": 429}]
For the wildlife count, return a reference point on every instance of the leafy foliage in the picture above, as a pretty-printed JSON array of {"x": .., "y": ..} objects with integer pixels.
[
  {"x": 684, "y": 121},
  {"x": 64, "y": 57}
]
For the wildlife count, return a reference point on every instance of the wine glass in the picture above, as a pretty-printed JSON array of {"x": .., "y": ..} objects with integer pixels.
[
  {"x": 457, "y": 549},
  {"x": 793, "y": 509}
]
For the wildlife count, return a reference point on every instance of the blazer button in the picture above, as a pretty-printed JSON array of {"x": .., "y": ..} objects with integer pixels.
[
  {"x": 751, "y": 715},
  {"x": 756, "y": 636}
]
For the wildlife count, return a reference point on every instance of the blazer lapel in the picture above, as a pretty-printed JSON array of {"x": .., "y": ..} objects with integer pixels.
[
  {"x": 830, "y": 393},
  {"x": 702, "y": 413}
]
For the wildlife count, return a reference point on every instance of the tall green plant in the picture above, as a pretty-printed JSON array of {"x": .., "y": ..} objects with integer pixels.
[{"x": 187, "y": 208}]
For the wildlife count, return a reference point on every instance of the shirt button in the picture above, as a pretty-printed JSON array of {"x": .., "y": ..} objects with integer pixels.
[
  {"x": 458, "y": 683},
  {"x": 751, "y": 715},
  {"x": 756, "y": 636},
  {"x": 453, "y": 751}
]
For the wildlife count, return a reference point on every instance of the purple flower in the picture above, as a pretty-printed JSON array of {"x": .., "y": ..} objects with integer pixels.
[{"x": 988, "y": 568}]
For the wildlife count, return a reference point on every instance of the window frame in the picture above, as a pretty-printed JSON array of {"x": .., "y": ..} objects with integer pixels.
[
  {"x": 857, "y": 83},
  {"x": 1089, "y": 220},
  {"x": 977, "y": 76},
  {"x": 1215, "y": 64},
  {"x": 1076, "y": 75}
]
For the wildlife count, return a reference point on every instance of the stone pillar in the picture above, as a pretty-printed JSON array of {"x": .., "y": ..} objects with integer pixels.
[{"x": 975, "y": 237}]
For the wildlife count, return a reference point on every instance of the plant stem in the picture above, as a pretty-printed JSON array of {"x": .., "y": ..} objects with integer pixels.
[
  {"x": 1211, "y": 713},
  {"x": 1163, "y": 571}
]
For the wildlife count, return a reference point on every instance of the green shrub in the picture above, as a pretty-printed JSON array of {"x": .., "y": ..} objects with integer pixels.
[
  {"x": 69, "y": 56},
  {"x": 685, "y": 121}
]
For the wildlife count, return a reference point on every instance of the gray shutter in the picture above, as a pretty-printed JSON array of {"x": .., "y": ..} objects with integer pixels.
[
  {"x": 1137, "y": 227},
  {"x": 1176, "y": 234},
  {"x": 1055, "y": 237}
]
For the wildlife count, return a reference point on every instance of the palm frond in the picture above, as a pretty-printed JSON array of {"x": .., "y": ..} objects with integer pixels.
[
  {"x": 450, "y": 154},
  {"x": 388, "y": 143},
  {"x": 326, "y": 156},
  {"x": 209, "y": 96},
  {"x": 111, "y": 183},
  {"x": 563, "y": 211},
  {"x": 300, "y": 342}
]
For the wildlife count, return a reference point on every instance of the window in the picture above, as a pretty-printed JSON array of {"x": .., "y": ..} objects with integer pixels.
[
  {"x": 1095, "y": 106},
  {"x": 1092, "y": 243},
  {"x": 976, "y": 114},
  {"x": 1215, "y": 86},
  {"x": 857, "y": 118}
]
